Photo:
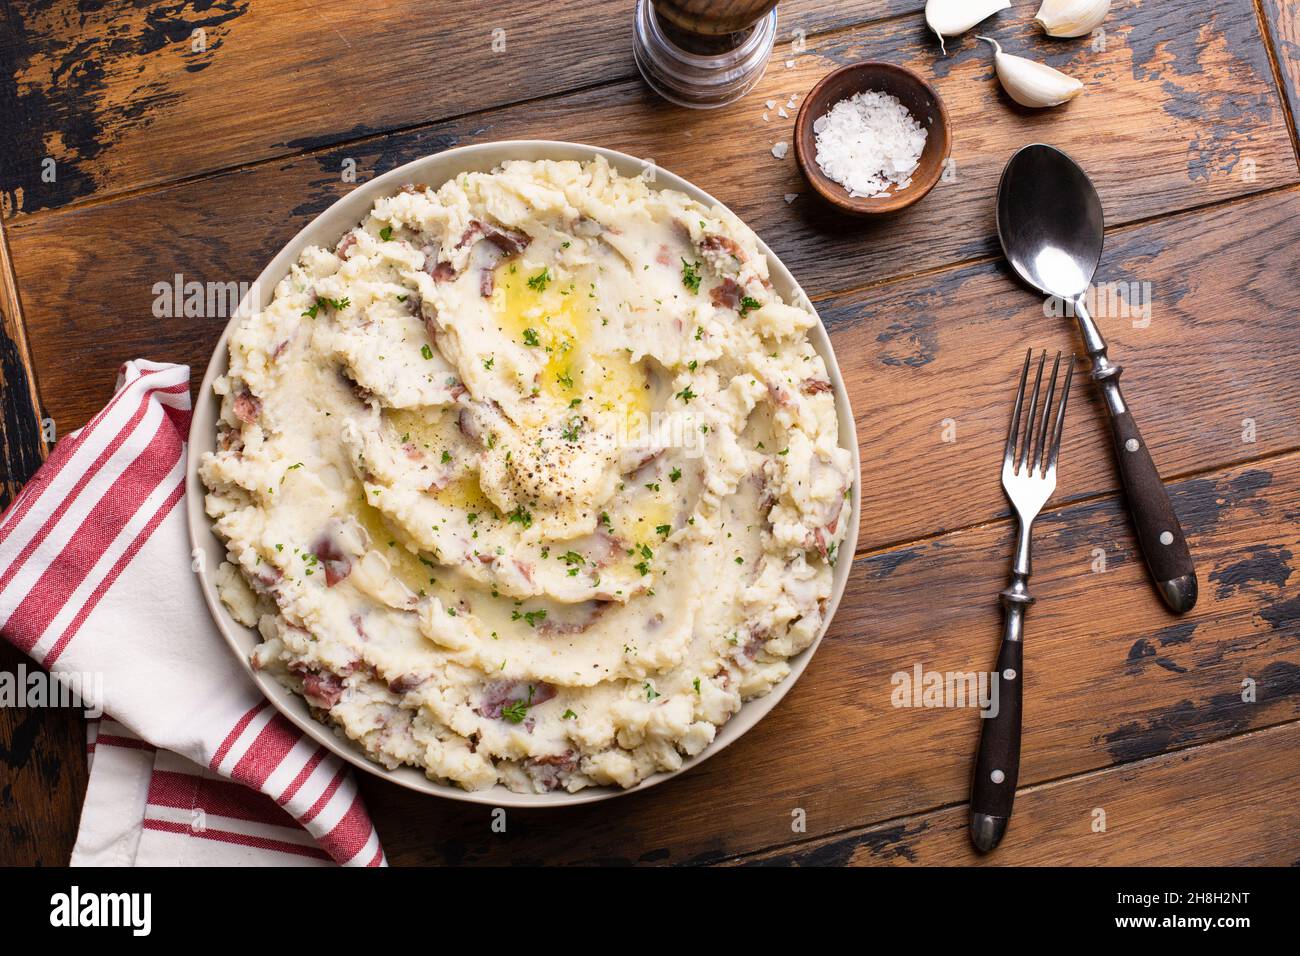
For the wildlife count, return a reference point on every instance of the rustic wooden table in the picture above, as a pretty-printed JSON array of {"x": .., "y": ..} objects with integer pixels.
[{"x": 148, "y": 140}]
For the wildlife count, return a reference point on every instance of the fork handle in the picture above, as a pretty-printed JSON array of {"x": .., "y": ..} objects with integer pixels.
[
  {"x": 997, "y": 764},
  {"x": 1158, "y": 531}
]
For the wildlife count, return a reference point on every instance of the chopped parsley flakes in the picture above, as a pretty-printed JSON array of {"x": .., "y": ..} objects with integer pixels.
[
  {"x": 538, "y": 282},
  {"x": 691, "y": 275},
  {"x": 517, "y": 710}
]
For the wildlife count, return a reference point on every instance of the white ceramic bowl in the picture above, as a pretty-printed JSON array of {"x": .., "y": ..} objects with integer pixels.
[{"x": 325, "y": 230}]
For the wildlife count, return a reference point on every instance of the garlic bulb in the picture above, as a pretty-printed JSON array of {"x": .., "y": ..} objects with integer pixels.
[
  {"x": 950, "y": 18},
  {"x": 1071, "y": 18},
  {"x": 1031, "y": 84}
]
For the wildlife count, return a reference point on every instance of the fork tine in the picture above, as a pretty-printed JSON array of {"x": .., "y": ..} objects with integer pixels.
[
  {"x": 1029, "y": 423},
  {"x": 1060, "y": 418},
  {"x": 1038, "y": 460},
  {"x": 1010, "y": 456}
]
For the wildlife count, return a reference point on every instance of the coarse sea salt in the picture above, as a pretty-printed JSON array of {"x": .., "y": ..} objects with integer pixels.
[{"x": 868, "y": 142}]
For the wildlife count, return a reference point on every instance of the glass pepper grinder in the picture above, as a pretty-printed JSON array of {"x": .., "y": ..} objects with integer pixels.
[{"x": 703, "y": 53}]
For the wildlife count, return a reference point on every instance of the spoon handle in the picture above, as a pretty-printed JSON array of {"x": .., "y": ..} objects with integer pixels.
[{"x": 1158, "y": 532}]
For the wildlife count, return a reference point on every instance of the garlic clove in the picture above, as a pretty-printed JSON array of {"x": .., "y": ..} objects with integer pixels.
[
  {"x": 1031, "y": 84},
  {"x": 1071, "y": 18},
  {"x": 950, "y": 18}
]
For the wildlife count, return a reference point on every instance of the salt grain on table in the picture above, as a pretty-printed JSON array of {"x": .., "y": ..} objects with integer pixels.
[
  {"x": 780, "y": 149},
  {"x": 868, "y": 142}
]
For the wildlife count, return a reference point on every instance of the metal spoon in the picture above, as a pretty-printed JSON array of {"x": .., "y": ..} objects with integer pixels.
[{"x": 1051, "y": 226}]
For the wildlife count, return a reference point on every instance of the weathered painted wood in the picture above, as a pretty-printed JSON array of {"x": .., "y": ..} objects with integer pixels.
[
  {"x": 1283, "y": 18},
  {"x": 1201, "y": 316},
  {"x": 1183, "y": 809},
  {"x": 22, "y": 445},
  {"x": 1180, "y": 111},
  {"x": 1110, "y": 677},
  {"x": 126, "y": 96}
]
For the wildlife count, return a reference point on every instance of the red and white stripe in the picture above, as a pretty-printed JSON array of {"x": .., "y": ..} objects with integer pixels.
[
  {"x": 90, "y": 506},
  {"x": 265, "y": 751},
  {"x": 102, "y": 509}
]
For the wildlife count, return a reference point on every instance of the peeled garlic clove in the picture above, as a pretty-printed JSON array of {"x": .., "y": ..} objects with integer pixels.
[
  {"x": 950, "y": 18},
  {"x": 1031, "y": 84},
  {"x": 1071, "y": 18}
]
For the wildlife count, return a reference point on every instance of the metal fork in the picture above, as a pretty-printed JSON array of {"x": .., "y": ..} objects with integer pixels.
[{"x": 1029, "y": 478}]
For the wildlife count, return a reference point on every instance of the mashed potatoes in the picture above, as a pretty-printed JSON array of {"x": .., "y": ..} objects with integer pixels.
[{"x": 532, "y": 480}]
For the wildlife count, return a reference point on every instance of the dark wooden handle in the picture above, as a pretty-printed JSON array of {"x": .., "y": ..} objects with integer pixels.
[
  {"x": 1158, "y": 531},
  {"x": 997, "y": 765}
]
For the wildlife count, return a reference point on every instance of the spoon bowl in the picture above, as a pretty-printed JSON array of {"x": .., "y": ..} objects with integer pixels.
[{"x": 1050, "y": 221}]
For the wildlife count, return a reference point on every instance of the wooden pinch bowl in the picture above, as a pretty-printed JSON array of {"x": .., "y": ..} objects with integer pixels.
[{"x": 914, "y": 93}]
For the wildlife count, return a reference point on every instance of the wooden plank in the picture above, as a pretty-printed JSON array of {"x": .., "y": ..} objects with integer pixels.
[
  {"x": 931, "y": 365},
  {"x": 1109, "y": 678},
  {"x": 42, "y": 772},
  {"x": 1192, "y": 121},
  {"x": 42, "y": 777},
  {"x": 916, "y": 355},
  {"x": 88, "y": 274},
  {"x": 1283, "y": 18},
  {"x": 22, "y": 445},
  {"x": 114, "y": 96},
  {"x": 1184, "y": 809}
]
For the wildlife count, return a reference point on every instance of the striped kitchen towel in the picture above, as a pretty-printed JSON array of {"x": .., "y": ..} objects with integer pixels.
[{"x": 96, "y": 585}]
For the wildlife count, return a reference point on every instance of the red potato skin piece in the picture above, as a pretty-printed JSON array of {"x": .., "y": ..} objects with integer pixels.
[
  {"x": 499, "y": 694},
  {"x": 811, "y": 386},
  {"x": 510, "y": 241},
  {"x": 551, "y": 767},
  {"x": 247, "y": 407},
  {"x": 820, "y": 535},
  {"x": 323, "y": 689},
  {"x": 405, "y": 684},
  {"x": 714, "y": 243},
  {"x": 727, "y": 295},
  {"x": 442, "y": 272},
  {"x": 779, "y": 394},
  {"x": 337, "y": 564},
  {"x": 525, "y": 569}
]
